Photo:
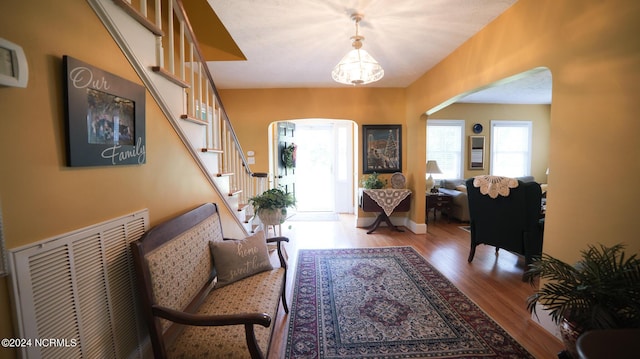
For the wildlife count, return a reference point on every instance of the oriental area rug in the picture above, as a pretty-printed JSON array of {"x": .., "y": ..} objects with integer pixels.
[{"x": 386, "y": 303}]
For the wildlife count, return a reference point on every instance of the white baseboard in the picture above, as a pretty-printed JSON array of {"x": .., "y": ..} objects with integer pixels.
[
  {"x": 544, "y": 320},
  {"x": 417, "y": 228}
]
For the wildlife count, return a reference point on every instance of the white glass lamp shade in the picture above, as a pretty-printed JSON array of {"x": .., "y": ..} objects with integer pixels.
[
  {"x": 357, "y": 67},
  {"x": 432, "y": 167}
]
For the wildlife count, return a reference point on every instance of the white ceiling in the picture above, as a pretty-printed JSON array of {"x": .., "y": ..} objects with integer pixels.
[
  {"x": 296, "y": 43},
  {"x": 532, "y": 87}
]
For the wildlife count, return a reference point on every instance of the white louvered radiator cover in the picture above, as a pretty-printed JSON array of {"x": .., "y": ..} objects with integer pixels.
[{"x": 74, "y": 295}]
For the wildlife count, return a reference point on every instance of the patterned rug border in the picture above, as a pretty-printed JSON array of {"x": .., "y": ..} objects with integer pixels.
[{"x": 501, "y": 343}]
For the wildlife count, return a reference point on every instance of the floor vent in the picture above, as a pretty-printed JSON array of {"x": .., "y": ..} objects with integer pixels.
[{"x": 75, "y": 296}]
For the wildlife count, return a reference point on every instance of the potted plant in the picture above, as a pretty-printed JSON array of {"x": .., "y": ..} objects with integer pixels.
[
  {"x": 601, "y": 291},
  {"x": 373, "y": 182},
  {"x": 271, "y": 206}
]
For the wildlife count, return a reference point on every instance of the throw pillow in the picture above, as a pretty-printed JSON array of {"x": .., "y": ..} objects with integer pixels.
[
  {"x": 238, "y": 259},
  {"x": 462, "y": 188}
]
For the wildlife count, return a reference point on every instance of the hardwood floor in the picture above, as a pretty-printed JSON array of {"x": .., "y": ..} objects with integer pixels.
[{"x": 493, "y": 282}]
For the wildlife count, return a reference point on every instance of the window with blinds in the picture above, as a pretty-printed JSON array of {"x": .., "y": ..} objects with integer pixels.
[
  {"x": 445, "y": 144},
  {"x": 511, "y": 148}
]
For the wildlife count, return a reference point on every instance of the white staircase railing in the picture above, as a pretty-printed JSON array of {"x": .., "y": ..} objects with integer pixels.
[{"x": 198, "y": 115}]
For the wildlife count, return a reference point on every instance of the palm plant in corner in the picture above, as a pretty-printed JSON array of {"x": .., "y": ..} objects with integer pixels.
[
  {"x": 271, "y": 206},
  {"x": 601, "y": 291}
]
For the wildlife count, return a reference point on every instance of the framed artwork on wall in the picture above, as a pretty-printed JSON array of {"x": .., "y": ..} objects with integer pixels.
[
  {"x": 105, "y": 117},
  {"x": 381, "y": 148},
  {"x": 476, "y": 152}
]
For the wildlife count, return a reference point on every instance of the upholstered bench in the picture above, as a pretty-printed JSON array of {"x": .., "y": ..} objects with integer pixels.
[{"x": 204, "y": 295}]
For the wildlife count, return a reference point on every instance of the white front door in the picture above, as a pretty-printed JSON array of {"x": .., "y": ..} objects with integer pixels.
[{"x": 324, "y": 169}]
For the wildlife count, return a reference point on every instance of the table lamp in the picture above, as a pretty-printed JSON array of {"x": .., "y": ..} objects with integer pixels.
[{"x": 432, "y": 167}]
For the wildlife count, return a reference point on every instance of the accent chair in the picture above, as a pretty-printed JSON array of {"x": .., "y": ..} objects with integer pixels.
[{"x": 512, "y": 222}]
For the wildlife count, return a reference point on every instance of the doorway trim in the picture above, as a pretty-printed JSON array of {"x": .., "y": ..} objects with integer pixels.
[{"x": 345, "y": 187}]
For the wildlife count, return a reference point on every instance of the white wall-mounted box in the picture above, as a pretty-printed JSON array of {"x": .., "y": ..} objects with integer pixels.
[{"x": 14, "y": 71}]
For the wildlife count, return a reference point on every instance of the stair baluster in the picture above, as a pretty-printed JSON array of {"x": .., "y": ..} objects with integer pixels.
[{"x": 179, "y": 59}]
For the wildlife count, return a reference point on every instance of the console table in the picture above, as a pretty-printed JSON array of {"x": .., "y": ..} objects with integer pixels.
[{"x": 385, "y": 201}]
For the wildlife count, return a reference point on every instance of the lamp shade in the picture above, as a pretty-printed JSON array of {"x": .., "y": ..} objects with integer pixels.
[
  {"x": 432, "y": 167},
  {"x": 357, "y": 67}
]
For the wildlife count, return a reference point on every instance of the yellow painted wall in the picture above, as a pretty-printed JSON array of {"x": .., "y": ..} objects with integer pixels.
[
  {"x": 251, "y": 112},
  {"x": 40, "y": 196},
  {"x": 483, "y": 114},
  {"x": 593, "y": 53}
]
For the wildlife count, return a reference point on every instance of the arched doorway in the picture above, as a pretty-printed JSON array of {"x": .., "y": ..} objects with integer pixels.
[{"x": 323, "y": 178}]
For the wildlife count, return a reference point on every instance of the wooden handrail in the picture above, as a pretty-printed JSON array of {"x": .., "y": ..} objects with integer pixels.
[
  {"x": 191, "y": 34},
  {"x": 186, "y": 67}
]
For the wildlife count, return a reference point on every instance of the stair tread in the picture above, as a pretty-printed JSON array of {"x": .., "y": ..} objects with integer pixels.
[
  {"x": 215, "y": 128},
  {"x": 171, "y": 77},
  {"x": 193, "y": 119},
  {"x": 211, "y": 150},
  {"x": 135, "y": 14}
]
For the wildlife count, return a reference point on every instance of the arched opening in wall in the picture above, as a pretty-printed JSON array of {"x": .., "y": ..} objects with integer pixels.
[
  {"x": 321, "y": 171},
  {"x": 522, "y": 98}
]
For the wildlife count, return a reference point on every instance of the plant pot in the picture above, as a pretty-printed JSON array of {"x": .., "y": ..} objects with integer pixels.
[
  {"x": 272, "y": 217},
  {"x": 570, "y": 333}
]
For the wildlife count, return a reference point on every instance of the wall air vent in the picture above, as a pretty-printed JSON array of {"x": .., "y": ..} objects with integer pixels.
[{"x": 74, "y": 295}]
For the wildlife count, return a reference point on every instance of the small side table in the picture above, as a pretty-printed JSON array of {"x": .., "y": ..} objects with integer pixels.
[{"x": 437, "y": 201}]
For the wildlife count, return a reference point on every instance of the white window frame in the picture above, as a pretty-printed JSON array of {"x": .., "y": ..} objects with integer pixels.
[
  {"x": 456, "y": 123},
  {"x": 502, "y": 123}
]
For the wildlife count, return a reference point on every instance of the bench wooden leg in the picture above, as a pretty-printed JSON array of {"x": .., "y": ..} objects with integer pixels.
[
  {"x": 284, "y": 301},
  {"x": 250, "y": 336}
]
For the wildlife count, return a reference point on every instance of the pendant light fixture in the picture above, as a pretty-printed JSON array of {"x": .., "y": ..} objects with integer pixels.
[{"x": 357, "y": 67}]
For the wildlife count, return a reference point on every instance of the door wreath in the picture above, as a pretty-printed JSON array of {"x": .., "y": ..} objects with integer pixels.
[{"x": 289, "y": 155}]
